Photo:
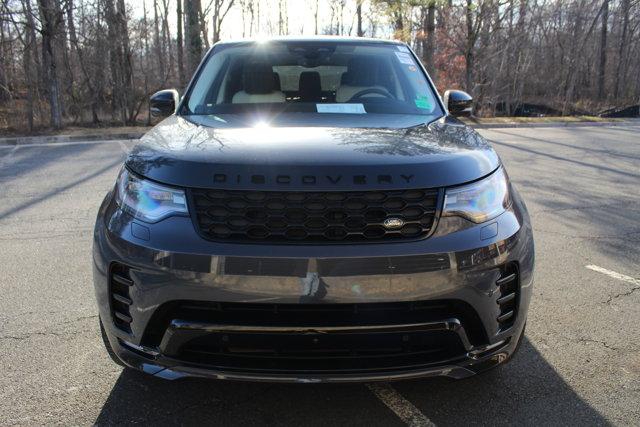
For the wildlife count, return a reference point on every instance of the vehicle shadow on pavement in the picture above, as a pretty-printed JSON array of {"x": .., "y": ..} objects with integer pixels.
[{"x": 527, "y": 390}]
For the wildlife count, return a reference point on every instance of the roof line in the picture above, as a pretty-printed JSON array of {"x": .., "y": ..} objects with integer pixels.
[{"x": 347, "y": 39}]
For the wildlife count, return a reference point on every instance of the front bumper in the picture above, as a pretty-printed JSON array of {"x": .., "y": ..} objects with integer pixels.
[{"x": 453, "y": 277}]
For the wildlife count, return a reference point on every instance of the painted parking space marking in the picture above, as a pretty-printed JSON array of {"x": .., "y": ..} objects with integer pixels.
[
  {"x": 404, "y": 409},
  {"x": 623, "y": 277}
]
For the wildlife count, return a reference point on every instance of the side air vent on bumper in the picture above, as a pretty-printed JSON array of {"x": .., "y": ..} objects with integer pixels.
[
  {"x": 313, "y": 217},
  {"x": 508, "y": 289},
  {"x": 120, "y": 283}
]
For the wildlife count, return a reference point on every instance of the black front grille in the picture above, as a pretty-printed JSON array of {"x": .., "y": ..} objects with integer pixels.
[
  {"x": 355, "y": 350},
  {"x": 313, "y": 217}
]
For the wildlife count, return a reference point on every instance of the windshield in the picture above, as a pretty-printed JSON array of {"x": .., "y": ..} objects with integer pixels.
[{"x": 321, "y": 78}]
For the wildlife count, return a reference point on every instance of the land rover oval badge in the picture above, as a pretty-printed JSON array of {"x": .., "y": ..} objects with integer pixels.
[{"x": 392, "y": 223}]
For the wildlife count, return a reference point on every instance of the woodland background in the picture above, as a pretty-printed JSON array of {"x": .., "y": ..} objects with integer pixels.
[{"x": 95, "y": 62}]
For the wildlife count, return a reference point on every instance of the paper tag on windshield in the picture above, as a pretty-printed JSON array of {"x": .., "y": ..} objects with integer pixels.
[
  {"x": 341, "y": 108},
  {"x": 405, "y": 58},
  {"x": 403, "y": 49}
]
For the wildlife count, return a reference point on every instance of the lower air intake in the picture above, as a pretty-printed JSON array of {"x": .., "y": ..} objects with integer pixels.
[
  {"x": 508, "y": 290},
  {"x": 120, "y": 283}
]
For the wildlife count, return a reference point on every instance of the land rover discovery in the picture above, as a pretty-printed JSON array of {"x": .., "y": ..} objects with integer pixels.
[{"x": 312, "y": 210}]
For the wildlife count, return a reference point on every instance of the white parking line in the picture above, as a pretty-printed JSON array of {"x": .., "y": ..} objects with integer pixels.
[
  {"x": 404, "y": 409},
  {"x": 623, "y": 277}
]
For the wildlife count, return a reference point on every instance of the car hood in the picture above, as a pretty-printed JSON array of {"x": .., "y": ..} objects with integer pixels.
[{"x": 442, "y": 153}]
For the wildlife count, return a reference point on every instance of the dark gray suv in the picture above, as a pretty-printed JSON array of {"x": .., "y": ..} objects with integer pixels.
[{"x": 311, "y": 210}]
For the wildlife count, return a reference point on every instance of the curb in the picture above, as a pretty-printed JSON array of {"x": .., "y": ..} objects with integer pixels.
[
  {"x": 53, "y": 139},
  {"x": 626, "y": 122}
]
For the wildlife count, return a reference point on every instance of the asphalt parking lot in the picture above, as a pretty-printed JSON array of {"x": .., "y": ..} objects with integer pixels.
[{"x": 580, "y": 361}]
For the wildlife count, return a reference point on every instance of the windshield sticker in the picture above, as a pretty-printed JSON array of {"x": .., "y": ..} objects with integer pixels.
[
  {"x": 423, "y": 102},
  {"x": 403, "y": 49},
  {"x": 341, "y": 108},
  {"x": 405, "y": 58}
]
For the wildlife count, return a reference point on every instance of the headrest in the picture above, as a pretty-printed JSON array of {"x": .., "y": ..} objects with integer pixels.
[
  {"x": 276, "y": 81},
  {"x": 310, "y": 87},
  {"x": 361, "y": 71},
  {"x": 310, "y": 82},
  {"x": 257, "y": 78}
]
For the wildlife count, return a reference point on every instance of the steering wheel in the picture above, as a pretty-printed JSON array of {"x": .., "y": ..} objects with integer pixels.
[{"x": 365, "y": 92}]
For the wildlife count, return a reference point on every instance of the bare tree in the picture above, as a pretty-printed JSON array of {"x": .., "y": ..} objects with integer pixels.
[
  {"x": 123, "y": 101},
  {"x": 427, "y": 35},
  {"x": 180, "y": 44},
  {"x": 219, "y": 13},
  {"x": 64, "y": 61},
  {"x": 50, "y": 16},
  {"x": 603, "y": 48},
  {"x": 360, "y": 32},
  {"x": 193, "y": 30},
  {"x": 625, "y": 8},
  {"x": 315, "y": 18}
]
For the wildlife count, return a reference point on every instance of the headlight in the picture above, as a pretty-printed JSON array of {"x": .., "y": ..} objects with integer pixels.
[
  {"x": 146, "y": 200},
  {"x": 480, "y": 201}
]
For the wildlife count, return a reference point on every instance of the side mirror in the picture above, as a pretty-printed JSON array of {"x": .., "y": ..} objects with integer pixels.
[
  {"x": 458, "y": 103},
  {"x": 163, "y": 103}
]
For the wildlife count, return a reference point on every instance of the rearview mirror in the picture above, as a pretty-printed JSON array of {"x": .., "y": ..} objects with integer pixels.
[
  {"x": 163, "y": 103},
  {"x": 458, "y": 103}
]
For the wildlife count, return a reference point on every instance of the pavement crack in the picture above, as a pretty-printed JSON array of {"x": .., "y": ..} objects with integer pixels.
[
  {"x": 621, "y": 294},
  {"x": 603, "y": 343},
  {"x": 31, "y": 334}
]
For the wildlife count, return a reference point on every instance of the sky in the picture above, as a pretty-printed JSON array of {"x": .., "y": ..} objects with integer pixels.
[{"x": 300, "y": 17}]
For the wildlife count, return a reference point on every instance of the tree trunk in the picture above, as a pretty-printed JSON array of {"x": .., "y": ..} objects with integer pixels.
[
  {"x": 28, "y": 68},
  {"x": 220, "y": 10},
  {"x": 166, "y": 39},
  {"x": 603, "y": 49},
  {"x": 65, "y": 74},
  {"x": 470, "y": 44},
  {"x": 122, "y": 95},
  {"x": 315, "y": 18},
  {"x": 203, "y": 26},
  {"x": 398, "y": 23},
  {"x": 280, "y": 18},
  {"x": 35, "y": 58},
  {"x": 194, "y": 42},
  {"x": 181, "y": 78},
  {"x": 359, "y": 17},
  {"x": 49, "y": 30},
  {"x": 156, "y": 41},
  {"x": 429, "y": 43},
  {"x": 5, "y": 81},
  {"x": 127, "y": 65},
  {"x": 625, "y": 7}
]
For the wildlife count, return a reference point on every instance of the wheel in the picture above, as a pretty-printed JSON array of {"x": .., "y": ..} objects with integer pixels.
[{"x": 107, "y": 346}]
